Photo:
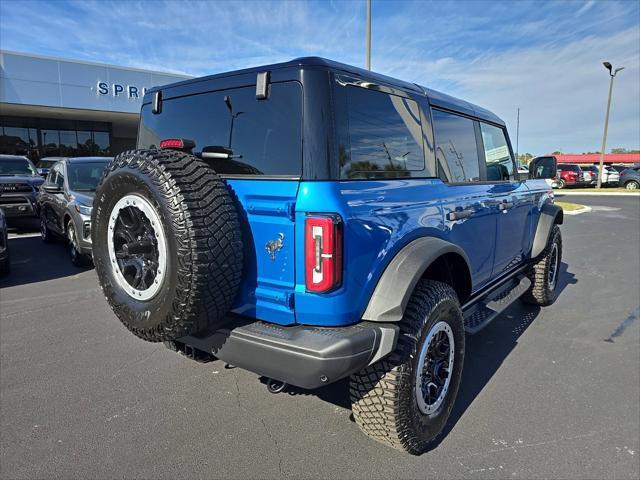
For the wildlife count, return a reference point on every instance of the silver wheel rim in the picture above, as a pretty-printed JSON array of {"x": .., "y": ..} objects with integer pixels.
[
  {"x": 553, "y": 266},
  {"x": 435, "y": 367},
  {"x": 142, "y": 206},
  {"x": 71, "y": 234},
  {"x": 632, "y": 186}
]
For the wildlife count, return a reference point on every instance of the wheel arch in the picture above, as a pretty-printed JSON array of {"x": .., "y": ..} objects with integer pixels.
[
  {"x": 427, "y": 257},
  {"x": 550, "y": 215}
]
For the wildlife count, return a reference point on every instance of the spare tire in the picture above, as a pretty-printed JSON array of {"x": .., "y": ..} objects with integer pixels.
[{"x": 167, "y": 243}]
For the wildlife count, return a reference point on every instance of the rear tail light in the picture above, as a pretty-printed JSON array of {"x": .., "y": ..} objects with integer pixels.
[
  {"x": 177, "y": 144},
  {"x": 323, "y": 252}
]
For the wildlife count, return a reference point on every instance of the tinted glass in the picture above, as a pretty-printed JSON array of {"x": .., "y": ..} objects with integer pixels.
[
  {"x": 68, "y": 143},
  {"x": 84, "y": 176},
  {"x": 496, "y": 153},
  {"x": 456, "y": 148},
  {"x": 265, "y": 136},
  {"x": 50, "y": 143},
  {"x": 100, "y": 145},
  {"x": 385, "y": 136},
  {"x": 85, "y": 144},
  {"x": 17, "y": 167}
]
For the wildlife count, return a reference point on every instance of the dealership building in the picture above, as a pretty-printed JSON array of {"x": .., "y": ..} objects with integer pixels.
[{"x": 57, "y": 107}]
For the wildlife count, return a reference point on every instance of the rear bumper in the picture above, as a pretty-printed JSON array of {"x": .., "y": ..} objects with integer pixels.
[{"x": 308, "y": 357}]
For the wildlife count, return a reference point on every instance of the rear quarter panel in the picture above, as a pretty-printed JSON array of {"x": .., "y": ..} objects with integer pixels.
[{"x": 380, "y": 217}]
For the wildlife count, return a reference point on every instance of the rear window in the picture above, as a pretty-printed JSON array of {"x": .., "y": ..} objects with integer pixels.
[
  {"x": 573, "y": 168},
  {"x": 265, "y": 136}
]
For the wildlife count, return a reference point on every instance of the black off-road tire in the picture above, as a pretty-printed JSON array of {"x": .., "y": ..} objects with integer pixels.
[
  {"x": 204, "y": 250},
  {"x": 543, "y": 292},
  {"x": 383, "y": 395}
]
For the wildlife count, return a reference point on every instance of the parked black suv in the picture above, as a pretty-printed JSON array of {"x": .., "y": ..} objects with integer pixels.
[
  {"x": 65, "y": 203},
  {"x": 19, "y": 182}
]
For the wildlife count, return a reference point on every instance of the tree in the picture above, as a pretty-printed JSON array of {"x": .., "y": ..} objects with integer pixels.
[{"x": 623, "y": 150}]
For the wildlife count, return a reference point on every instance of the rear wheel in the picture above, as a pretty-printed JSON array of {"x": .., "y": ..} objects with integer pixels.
[
  {"x": 167, "y": 244},
  {"x": 404, "y": 400},
  {"x": 561, "y": 183}
]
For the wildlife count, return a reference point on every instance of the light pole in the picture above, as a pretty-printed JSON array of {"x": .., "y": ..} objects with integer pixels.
[
  {"x": 368, "y": 36},
  {"x": 612, "y": 74}
]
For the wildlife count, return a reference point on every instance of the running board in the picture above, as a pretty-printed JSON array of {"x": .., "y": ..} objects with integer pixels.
[{"x": 480, "y": 314}]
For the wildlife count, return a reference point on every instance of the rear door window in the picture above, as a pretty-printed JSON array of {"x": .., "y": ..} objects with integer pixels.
[
  {"x": 456, "y": 148},
  {"x": 265, "y": 136},
  {"x": 500, "y": 166},
  {"x": 385, "y": 136}
]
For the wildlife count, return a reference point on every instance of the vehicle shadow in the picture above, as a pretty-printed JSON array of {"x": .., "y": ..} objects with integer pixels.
[
  {"x": 485, "y": 353},
  {"x": 34, "y": 261}
]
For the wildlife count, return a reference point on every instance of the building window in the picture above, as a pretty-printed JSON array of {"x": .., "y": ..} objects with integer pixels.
[{"x": 53, "y": 138}]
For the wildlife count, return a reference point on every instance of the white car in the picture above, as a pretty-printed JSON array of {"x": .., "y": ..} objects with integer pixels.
[{"x": 610, "y": 175}]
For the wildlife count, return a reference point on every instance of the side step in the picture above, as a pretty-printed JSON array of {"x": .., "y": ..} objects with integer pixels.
[{"x": 481, "y": 313}]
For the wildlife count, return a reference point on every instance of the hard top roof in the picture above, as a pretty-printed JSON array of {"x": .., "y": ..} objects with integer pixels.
[{"x": 436, "y": 98}]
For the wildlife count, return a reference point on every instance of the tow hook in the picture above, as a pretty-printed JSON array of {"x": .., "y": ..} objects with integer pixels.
[{"x": 276, "y": 386}]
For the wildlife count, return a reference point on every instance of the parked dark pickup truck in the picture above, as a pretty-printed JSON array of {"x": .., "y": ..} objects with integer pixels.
[{"x": 19, "y": 184}]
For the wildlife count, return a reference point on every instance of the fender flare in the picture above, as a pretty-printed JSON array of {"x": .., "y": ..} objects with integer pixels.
[
  {"x": 392, "y": 293},
  {"x": 550, "y": 214}
]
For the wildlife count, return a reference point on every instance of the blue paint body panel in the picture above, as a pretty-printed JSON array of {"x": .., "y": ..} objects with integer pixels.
[
  {"x": 266, "y": 209},
  {"x": 380, "y": 218}
]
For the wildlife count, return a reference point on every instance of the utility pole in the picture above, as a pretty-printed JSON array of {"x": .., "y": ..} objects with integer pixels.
[
  {"x": 518, "y": 137},
  {"x": 612, "y": 74},
  {"x": 368, "y": 37}
]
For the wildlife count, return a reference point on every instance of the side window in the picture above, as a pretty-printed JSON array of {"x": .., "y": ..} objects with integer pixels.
[
  {"x": 456, "y": 148},
  {"x": 496, "y": 153},
  {"x": 385, "y": 136}
]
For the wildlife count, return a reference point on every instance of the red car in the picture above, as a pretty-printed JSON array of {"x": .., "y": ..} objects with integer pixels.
[{"x": 569, "y": 175}]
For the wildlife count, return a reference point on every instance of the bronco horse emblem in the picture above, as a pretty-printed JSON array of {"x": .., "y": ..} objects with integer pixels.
[{"x": 274, "y": 246}]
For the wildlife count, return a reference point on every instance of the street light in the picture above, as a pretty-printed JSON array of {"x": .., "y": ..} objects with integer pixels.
[{"x": 612, "y": 74}]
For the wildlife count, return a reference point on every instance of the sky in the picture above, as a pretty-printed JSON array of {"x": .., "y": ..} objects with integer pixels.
[{"x": 542, "y": 57}]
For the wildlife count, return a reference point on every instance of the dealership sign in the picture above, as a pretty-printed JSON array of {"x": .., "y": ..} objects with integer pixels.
[{"x": 118, "y": 90}]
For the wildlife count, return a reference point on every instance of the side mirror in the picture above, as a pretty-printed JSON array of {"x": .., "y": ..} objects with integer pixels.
[
  {"x": 543, "y": 167},
  {"x": 51, "y": 188}
]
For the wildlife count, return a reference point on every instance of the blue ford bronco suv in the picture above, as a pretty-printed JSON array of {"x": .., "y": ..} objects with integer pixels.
[{"x": 311, "y": 221}]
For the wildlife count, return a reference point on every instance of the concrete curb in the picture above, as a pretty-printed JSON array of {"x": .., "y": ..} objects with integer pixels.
[
  {"x": 585, "y": 209},
  {"x": 596, "y": 194}
]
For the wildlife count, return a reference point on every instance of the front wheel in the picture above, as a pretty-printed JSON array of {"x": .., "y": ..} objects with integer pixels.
[
  {"x": 545, "y": 272},
  {"x": 77, "y": 257},
  {"x": 45, "y": 234},
  {"x": 404, "y": 400},
  {"x": 632, "y": 185}
]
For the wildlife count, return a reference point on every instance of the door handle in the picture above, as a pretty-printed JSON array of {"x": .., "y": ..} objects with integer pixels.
[
  {"x": 504, "y": 206},
  {"x": 459, "y": 214}
]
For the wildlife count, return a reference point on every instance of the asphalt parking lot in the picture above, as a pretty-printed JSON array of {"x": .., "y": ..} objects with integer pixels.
[{"x": 551, "y": 393}]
